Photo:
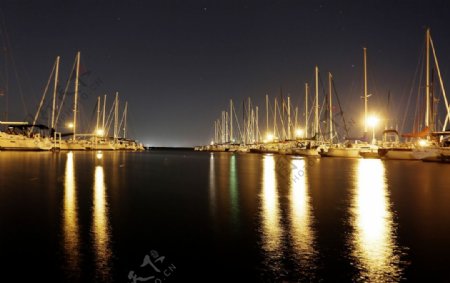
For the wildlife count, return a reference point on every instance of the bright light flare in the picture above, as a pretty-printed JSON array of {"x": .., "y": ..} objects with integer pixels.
[
  {"x": 423, "y": 143},
  {"x": 269, "y": 137},
  {"x": 299, "y": 133},
  {"x": 372, "y": 121},
  {"x": 70, "y": 125},
  {"x": 100, "y": 132}
]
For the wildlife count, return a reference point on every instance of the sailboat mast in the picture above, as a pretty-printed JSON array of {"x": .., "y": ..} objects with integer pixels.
[
  {"x": 289, "y": 117},
  {"x": 306, "y": 110},
  {"x": 98, "y": 116},
  {"x": 104, "y": 111},
  {"x": 125, "y": 111},
  {"x": 267, "y": 114},
  {"x": 231, "y": 120},
  {"x": 316, "y": 122},
  {"x": 55, "y": 89},
  {"x": 275, "y": 129},
  {"x": 365, "y": 91},
  {"x": 257, "y": 127},
  {"x": 77, "y": 74},
  {"x": 330, "y": 77},
  {"x": 116, "y": 117},
  {"x": 296, "y": 118},
  {"x": 427, "y": 87}
]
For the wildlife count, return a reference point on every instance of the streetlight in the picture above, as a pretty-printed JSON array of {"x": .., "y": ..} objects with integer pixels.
[
  {"x": 373, "y": 121},
  {"x": 269, "y": 137},
  {"x": 299, "y": 133},
  {"x": 100, "y": 132},
  {"x": 70, "y": 125}
]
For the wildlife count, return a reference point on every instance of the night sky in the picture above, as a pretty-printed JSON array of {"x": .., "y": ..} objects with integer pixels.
[{"x": 178, "y": 63}]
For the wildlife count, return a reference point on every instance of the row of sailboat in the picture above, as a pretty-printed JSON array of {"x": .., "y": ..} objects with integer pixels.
[
  {"x": 37, "y": 137},
  {"x": 310, "y": 139}
]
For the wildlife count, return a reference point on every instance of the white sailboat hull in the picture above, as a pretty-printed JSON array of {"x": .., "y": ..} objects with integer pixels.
[
  {"x": 21, "y": 142},
  {"x": 341, "y": 152}
]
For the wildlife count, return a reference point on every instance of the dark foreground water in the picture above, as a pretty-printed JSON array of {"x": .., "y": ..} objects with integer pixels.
[{"x": 169, "y": 216}]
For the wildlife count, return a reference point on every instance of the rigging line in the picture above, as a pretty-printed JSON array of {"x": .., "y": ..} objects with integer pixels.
[
  {"x": 110, "y": 118},
  {"x": 65, "y": 93},
  {"x": 42, "y": 100},
  {"x": 441, "y": 84},
  {"x": 237, "y": 121},
  {"x": 416, "y": 75},
  {"x": 340, "y": 107}
]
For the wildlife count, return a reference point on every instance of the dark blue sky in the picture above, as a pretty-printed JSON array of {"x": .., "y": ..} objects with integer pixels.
[{"x": 178, "y": 63}]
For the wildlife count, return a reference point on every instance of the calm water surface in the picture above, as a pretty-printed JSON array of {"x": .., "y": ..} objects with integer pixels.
[{"x": 185, "y": 216}]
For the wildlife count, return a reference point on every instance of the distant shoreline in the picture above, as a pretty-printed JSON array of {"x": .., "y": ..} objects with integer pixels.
[{"x": 167, "y": 148}]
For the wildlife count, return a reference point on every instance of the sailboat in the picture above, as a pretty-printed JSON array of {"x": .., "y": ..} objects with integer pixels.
[
  {"x": 426, "y": 143},
  {"x": 74, "y": 143},
  {"x": 351, "y": 149},
  {"x": 17, "y": 137},
  {"x": 23, "y": 135},
  {"x": 311, "y": 147}
]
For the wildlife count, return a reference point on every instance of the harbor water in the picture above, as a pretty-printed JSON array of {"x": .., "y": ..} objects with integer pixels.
[{"x": 184, "y": 216}]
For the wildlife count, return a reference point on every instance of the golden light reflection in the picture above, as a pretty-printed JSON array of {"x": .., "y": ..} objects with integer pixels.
[
  {"x": 212, "y": 185},
  {"x": 234, "y": 194},
  {"x": 101, "y": 229},
  {"x": 272, "y": 231},
  {"x": 374, "y": 246},
  {"x": 301, "y": 214},
  {"x": 70, "y": 217}
]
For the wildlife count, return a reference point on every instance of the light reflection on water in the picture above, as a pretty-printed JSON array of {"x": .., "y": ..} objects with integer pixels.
[
  {"x": 373, "y": 239},
  {"x": 270, "y": 214},
  {"x": 212, "y": 186},
  {"x": 301, "y": 218},
  {"x": 100, "y": 226},
  {"x": 234, "y": 193},
  {"x": 70, "y": 218}
]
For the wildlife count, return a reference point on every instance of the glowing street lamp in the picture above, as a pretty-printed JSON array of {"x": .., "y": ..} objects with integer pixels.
[
  {"x": 100, "y": 132},
  {"x": 299, "y": 133},
  {"x": 372, "y": 121},
  {"x": 269, "y": 137},
  {"x": 70, "y": 125}
]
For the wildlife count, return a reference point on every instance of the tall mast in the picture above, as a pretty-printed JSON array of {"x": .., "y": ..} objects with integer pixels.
[
  {"x": 98, "y": 116},
  {"x": 365, "y": 91},
  {"x": 427, "y": 87},
  {"x": 249, "y": 120},
  {"x": 116, "y": 117},
  {"x": 226, "y": 126},
  {"x": 289, "y": 117},
  {"x": 256, "y": 124},
  {"x": 306, "y": 110},
  {"x": 331, "y": 107},
  {"x": 231, "y": 120},
  {"x": 296, "y": 118},
  {"x": 267, "y": 114},
  {"x": 275, "y": 129},
  {"x": 125, "y": 111},
  {"x": 55, "y": 89},
  {"x": 316, "y": 122},
  {"x": 244, "y": 126},
  {"x": 104, "y": 111},
  {"x": 77, "y": 73}
]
